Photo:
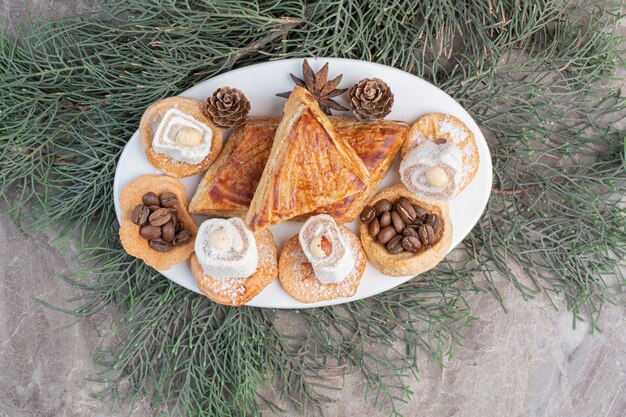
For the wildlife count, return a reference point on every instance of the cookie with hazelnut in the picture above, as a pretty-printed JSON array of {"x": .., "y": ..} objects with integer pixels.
[
  {"x": 322, "y": 262},
  {"x": 439, "y": 157},
  {"x": 231, "y": 265},
  {"x": 178, "y": 138}
]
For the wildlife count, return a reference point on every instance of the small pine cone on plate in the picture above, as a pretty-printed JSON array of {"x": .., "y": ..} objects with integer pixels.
[
  {"x": 371, "y": 99},
  {"x": 227, "y": 107}
]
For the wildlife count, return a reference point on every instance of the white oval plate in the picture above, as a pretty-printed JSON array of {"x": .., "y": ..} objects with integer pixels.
[{"x": 414, "y": 97}]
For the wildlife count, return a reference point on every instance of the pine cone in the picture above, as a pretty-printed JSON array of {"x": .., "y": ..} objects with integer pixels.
[
  {"x": 371, "y": 99},
  {"x": 227, "y": 107}
]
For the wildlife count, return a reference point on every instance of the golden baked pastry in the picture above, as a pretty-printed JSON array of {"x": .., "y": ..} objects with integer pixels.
[
  {"x": 444, "y": 128},
  {"x": 238, "y": 291},
  {"x": 297, "y": 277},
  {"x": 133, "y": 242},
  {"x": 228, "y": 186},
  {"x": 377, "y": 144},
  {"x": 150, "y": 123},
  {"x": 407, "y": 263},
  {"x": 309, "y": 166}
]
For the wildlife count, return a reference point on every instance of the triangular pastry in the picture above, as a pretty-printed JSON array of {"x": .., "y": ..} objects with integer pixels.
[
  {"x": 309, "y": 166},
  {"x": 229, "y": 185}
]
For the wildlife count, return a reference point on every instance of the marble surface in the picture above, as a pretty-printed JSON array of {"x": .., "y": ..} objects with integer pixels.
[{"x": 527, "y": 362}]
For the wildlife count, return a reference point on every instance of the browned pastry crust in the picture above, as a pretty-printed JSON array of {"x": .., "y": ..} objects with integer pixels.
[
  {"x": 148, "y": 126},
  {"x": 429, "y": 128},
  {"x": 406, "y": 263},
  {"x": 132, "y": 241},
  {"x": 238, "y": 291},
  {"x": 228, "y": 186},
  {"x": 297, "y": 278},
  {"x": 377, "y": 144},
  {"x": 309, "y": 166}
]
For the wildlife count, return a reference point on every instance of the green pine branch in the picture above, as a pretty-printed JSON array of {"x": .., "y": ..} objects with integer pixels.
[{"x": 532, "y": 73}]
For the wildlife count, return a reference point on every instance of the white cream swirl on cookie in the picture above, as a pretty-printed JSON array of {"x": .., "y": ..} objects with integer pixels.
[
  {"x": 182, "y": 137},
  {"x": 226, "y": 249},
  {"x": 433, "y": 170},
  {"x": 326, "y": 249}
]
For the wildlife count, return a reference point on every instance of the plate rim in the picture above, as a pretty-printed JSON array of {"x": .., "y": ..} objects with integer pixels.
[{"x": 481, "y": 144}]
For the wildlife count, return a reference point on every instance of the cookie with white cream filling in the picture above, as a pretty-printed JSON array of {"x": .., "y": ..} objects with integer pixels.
[
  {"x": 178, "y": 138},
  {"x": 231, "y": 265}
]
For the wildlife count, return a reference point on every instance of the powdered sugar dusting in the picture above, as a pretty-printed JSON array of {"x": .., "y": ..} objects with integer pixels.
[
  {"x": 307, "y": 287},
  {"x": 235, "y": 288},
  {"x": 461, "y": 136},
  {"x": 453, "y": 131},
  {"x": 334, "y": 267},
  {"x": 426, "y": 155},
  {"x": 237, "y": 259}
]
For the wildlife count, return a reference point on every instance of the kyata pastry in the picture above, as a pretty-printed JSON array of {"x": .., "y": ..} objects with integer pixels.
[
  {"x": 310, "y": 165},
  {"x": 433, "y": 171},
  {"x": 443, "y": 129},
  {"x": 323, "y": 261},
  {"x": 178, "y": 138},
  {"x": 228, "y": 186},
  {"x": 155, "y": 223},
  {"x": 377, "y": 144},
  {"x": 404, "y": 235},
  {"x": 231, "y": 265}
]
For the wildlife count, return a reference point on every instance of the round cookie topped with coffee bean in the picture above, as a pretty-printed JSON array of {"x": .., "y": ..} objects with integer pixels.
[
  {"x": 403, "y": 235},
  {"x": 155, "y": 224}
]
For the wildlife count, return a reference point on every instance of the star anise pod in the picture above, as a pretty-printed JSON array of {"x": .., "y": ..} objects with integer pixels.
[{"x": 318, "y": 85}]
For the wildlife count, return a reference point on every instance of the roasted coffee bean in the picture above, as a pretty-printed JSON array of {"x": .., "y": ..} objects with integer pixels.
[
  {"x": 150, "y": 199},
  {"x": 423, "y": 234},
  {"x": 382, "y": 206},
  {"x": 160, "y": 217},
  {"x": 385, "y": 234},
  {"x": 160, "y": 245},
  {"x": 420, "y": 212},
  {"x": 153, "y": 208},
  {"x": 182, "y": 237},
  {"x": 150, "y": 232},
  {"x": 374, "y": 228},
  {"x": 397, "y": 222},
  {"x": 436, "y": 224},
  {"x": 179, "y": 226},
  {"x": 395, "y": 245},
  {"x": 410, "y": 232},
  {"x": 411, "y": 244},
  {"x": 174, "y": 218},
  {"x": 405, "y": 210},
  {"x": 431, "y": 234},
  {"x": 168, "y": 231},
  {"x": 168, "y": 199},
  {"x": 368, "y": 214},
  {"x": 417, "y": 222},
  {"x": 385, "y": 219},
  {"x": 140, "y": 214},
  {"x": 440, "y": 141}
]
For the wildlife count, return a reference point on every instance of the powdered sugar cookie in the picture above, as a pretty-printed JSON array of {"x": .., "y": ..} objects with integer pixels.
[
  {"x": 433, "y": 171},
  {"x": 225, "y": 277},
  {"x": 444, "y": 128},
  {"x": 336, "y": 273},
  {"x": 178, "y": 138}
]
